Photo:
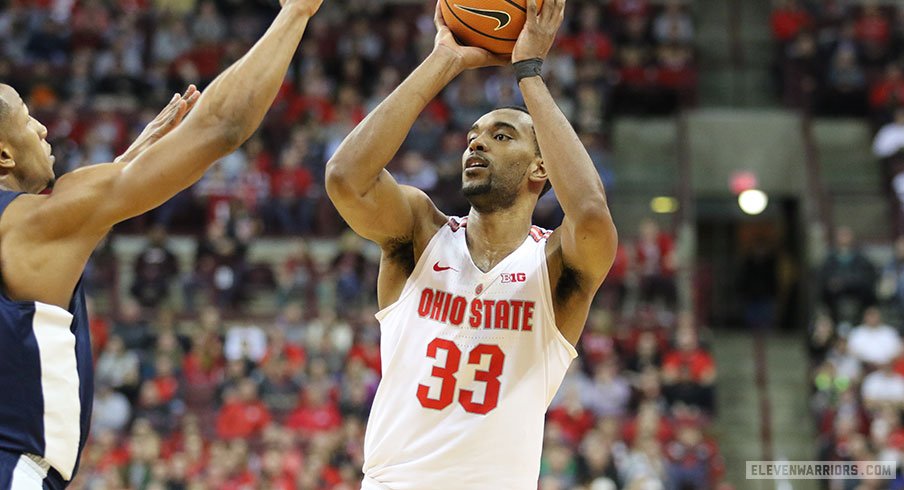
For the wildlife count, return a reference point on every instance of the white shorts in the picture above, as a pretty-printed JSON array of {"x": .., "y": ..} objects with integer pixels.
[{"x": 28, "y": 475}]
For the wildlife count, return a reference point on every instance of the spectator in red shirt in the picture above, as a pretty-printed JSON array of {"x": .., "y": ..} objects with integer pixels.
[
  {"x": 242, "y": 415},
  {"x": 573, "y": 418},
  {"x": 648, "y": 422},
  {"x": 888, "y": 90},
  {"x": 290, "y": 208},
  {"x": 788, "y": 20},
  {"x": 872, "y": 28},
  {"x": 367, "y": 349},
  {"x": 692, "y": 461},
  {"x": 100, "y": 328},
  {"x": 654, "y": 262},
  {"x": 688, "y": 371},
  {"x": 590, "y": 39},
  {"x": 317, "y": 413}
]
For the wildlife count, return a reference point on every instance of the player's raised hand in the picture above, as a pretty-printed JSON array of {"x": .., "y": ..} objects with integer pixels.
[
  {"x": 539, "y": 31},
  {"x": 170, "y": 117},
  {"x": 305, "y": 7},
  {"x": 467, "y": 56}
]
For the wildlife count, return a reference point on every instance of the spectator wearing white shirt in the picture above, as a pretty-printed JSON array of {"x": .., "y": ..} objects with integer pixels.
[
  {"x": 874, "y": 342},
  {"x": 882, "y": 387},
  {"x": 245, "y": 342},
  {"x": 111, "y": 410},
  {"x": 890, "y": 138}
]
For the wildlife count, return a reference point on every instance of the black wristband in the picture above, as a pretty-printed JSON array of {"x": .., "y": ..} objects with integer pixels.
[{"x": 528, "y": 68}]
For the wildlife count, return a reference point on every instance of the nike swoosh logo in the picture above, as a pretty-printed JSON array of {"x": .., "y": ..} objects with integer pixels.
[
  {"x": 439, "y": 268},
  {"x": 503, "y": 18}
]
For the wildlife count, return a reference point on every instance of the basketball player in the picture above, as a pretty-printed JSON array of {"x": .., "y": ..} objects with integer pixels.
[
  {"x": 46, "y": 239},
  {"x": 479, "y": 314}
]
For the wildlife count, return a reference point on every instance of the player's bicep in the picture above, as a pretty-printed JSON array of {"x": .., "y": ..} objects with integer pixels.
[
  {"x": 588, "y": 246},
  {"x": 384, "y": 212},
  {"x": 72, "y": 208}
]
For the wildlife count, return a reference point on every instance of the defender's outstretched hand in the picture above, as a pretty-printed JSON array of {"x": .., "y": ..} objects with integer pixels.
[
  {"x": 170, "y": 117},
  {"x": 539, "y": 30},
  {"x": 468, "y": 56}
]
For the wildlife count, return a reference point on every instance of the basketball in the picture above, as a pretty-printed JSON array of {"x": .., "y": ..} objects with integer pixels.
[{"x": 493, "y": 25}]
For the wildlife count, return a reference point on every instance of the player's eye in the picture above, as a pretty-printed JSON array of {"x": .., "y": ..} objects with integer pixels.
[{"x": 502, "y": 137}]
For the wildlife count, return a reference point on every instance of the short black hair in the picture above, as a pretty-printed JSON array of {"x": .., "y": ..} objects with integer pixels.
[{"x": 520, "y": 108}]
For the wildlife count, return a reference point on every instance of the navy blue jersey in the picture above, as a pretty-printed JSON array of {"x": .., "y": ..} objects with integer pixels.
[{"x": 46, "y": 379}]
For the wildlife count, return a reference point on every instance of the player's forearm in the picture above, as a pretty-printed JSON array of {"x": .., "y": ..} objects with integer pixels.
[
  {"x": 374, "y": 142},
  {"x": 237, "y": 99},
  {"x": 576, "y": 182},
  {"x": 227, "y": 113}
]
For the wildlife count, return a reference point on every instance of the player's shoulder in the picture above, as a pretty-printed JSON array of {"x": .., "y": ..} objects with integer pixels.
[
  {"x": 428, "y": 218},
  {"x": 19, "y": 209}
]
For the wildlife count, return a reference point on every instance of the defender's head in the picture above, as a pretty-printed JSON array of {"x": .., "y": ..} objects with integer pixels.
[
  {"x": 26, "y": 163},
  {"x": 502, "y": 160}
]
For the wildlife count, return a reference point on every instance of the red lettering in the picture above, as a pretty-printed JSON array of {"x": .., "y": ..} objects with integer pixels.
[
  {"x": 502, "y": 314},
  {"x": 457, "y": 314},
  {"x": 488, "y": 312},
  {"x": 437, "y": 310},
  {"x": 527, "y": 321},
  {"x": 446, "y": 306},
  {"x": 517, "y": 304},
  {"x": 423, "y": 308},
  {"x": 476, "y": 313},
  {"x": 520, "y": 277}
]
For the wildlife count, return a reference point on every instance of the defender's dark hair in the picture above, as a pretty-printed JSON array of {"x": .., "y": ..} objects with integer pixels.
[{"x": 548, "y": 185}]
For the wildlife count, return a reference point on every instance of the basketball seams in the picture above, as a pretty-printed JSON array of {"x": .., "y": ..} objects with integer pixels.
[
  {"x": 451, "y": 10},
  {"x": 513, "y": 4}
]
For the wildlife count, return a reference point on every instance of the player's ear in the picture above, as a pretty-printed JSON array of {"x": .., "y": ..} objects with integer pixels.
[
  {"x": 537, "y": 171},
  {"x": 6, "y": 158}
]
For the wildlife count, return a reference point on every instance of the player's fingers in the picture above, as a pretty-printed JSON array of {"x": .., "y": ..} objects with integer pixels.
[
  {"x": 170, "y": 106},
  {"x": 180, "y": 112},
  {"x": 560, "y": 9},
  {"x": 546, "y": 12},
  {"x": 438, "y": 16},
  {"x": 193, "y": 98},
  {"x": 191, "y": 90},
  {"x": 532, "y": 9}
]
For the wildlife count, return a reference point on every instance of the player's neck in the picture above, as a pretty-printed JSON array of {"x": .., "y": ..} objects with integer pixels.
[{"x": 498, "y": 231}]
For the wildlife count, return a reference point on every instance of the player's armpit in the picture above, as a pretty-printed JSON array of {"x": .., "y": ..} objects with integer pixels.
[{"x": 588, "y": 245}]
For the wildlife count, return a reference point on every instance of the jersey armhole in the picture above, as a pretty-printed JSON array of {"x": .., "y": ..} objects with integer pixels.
[
  {"x": 415, "y": 274},
  {"x": 550, "y": 311}
]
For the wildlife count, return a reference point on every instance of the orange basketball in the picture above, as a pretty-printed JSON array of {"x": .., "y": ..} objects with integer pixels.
[{"x": 490, "y": 24}]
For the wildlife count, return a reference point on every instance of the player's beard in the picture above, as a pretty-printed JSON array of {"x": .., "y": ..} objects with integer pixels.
[{"x": 488, "y": 196}]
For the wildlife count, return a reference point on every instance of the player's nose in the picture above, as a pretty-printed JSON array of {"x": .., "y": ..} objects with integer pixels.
[
  {"x": 42, "y": 130},
  {"x": 477, "y": 144}
]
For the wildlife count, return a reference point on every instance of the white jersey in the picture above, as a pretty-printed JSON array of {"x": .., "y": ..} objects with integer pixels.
[{"x": 471, "y": 361}]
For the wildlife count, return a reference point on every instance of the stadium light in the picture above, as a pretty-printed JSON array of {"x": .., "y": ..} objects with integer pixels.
[
  {"x": 664, "y": 205},
  {"x": 753, "y": 201}
]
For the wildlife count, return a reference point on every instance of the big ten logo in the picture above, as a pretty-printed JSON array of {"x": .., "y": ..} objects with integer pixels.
[{"x": 516, "y": 277}]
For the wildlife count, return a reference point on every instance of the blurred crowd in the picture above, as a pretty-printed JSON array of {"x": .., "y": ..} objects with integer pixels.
[
  {"x": 839, "y": 57},
  {"x": 95, "y": 71},
  {"x": 197, "y": 389},
  {"x": 857, "y": 360}
]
